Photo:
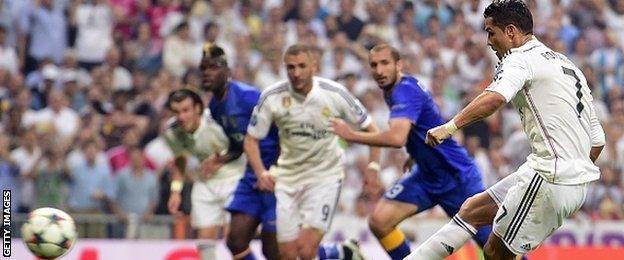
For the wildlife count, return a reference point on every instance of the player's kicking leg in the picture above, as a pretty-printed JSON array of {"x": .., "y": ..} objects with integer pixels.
[
  {"x": 476, "y": 212},
  {"x": 531, "y": 211}
]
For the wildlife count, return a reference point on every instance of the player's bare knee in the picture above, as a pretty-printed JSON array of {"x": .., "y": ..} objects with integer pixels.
[
  {"x": 379, "y": 224},
  {"x": 467, "y": 211},
  {"x": 307, "y": 251},
  {"x": 235, "y": 243}
]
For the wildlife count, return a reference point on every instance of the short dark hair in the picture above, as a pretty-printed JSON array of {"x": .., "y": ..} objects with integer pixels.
[
  {"x": 506, "y": 12},
  {"x": 384, "y": 46},
  {"x": 295, "y": 49},
  {"x": 180, "y": 95}
]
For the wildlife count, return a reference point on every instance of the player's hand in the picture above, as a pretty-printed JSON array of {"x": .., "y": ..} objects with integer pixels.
[
  {"x": 408, "y": 164},
  {"x": 340, "y": 128},
  {"x": 266, "y": 182},
  {"x": 371, "y": 184},
  {"x": 175, "y": 199},
  {"x": 210, "y": 165},
  {"x": 437, "y": 135}
]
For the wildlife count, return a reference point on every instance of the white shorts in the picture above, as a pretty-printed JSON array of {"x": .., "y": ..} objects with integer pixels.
[
  {"x": 309, "y": 206},
  {"x": 531, "y": 209},
  {"x": 208, "y": 201}
]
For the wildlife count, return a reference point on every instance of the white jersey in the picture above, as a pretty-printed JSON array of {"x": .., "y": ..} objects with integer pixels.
[
  {"x": 207, "y": 140},
  {"x": 555, "y": 106},
  {"x": 309, "y": 151}
]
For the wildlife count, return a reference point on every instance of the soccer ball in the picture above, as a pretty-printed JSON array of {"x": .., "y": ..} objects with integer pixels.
[{"x": 49, "y": 232}]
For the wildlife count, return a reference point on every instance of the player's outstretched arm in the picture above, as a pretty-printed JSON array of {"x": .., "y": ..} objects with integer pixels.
[
  {"x": 252, "y": 150},
  {"x": 481, "y": 107},
  {"x": 395, "y": 137}
]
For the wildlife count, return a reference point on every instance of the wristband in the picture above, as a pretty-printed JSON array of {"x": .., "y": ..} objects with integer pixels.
[
  {"x": 450, "y": 127},
  {"x": 374, "y": 166},
  {"x": 176, "y": 186}
]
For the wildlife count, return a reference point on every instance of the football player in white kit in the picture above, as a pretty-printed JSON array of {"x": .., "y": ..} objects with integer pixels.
[
  {"x": 558, "y": 117},
  {"x": 308, "y": 175},
  {"x": 194, "y": 133}
]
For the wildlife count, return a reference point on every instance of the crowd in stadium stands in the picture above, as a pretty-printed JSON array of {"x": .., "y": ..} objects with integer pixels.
[{"x": 83, "y": 85}]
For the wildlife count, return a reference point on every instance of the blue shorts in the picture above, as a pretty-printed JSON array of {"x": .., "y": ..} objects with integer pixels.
[
  {"x": 251, "y": 201},
  {"x": 410, "y": 190}
]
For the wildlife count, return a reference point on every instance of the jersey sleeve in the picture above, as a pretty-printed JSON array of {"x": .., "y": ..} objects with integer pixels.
[
  {"x": 352, "y": 110},
  {"x": 261, "y": 120},
  {"x": 510, "y": 76},
  {"x": 407, "y": 102},
  {"x": 236, "y": 134},
  {"x": 596, "y": 131}
]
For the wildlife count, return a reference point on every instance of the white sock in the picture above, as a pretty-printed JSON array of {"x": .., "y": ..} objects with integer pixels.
[
  {"x": 444, "y": 242},
  {"x": 207, "y": 249}
]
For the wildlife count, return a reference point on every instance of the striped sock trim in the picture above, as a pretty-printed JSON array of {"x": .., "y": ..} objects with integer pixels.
[
  {"x": 392, "y": 240},
  {"x": 460, "y": 222}
]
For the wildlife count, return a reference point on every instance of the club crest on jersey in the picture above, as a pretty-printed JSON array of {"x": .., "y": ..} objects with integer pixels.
[
  {"x": 286, "y": 102},
  {"x": 326, "y": 112}
]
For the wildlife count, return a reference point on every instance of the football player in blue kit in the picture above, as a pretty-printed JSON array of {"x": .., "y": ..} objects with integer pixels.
[
  {"x": 231, "y": 105},
  {"x": 445, "y": 175}
]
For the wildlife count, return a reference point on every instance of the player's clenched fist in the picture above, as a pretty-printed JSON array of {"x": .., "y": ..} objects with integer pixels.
[
  {"x": 438, "y": 134},
  {"x": 266, "y": 182}
]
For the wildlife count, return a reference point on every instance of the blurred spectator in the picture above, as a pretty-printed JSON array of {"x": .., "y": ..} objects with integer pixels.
[
  {"x": 25, "y": 157},
  {"x": 608, "y": 64},
  {"x": 136, "y": 191},
  {"x": 606, "y": 197},
  {"x": 57, "y": 117},
  {"x": 348, "y": 22},
  {"x": 119, "y": 156},
  {"x": 38, "y": 21},
  {"x": 51, "y": 176},
  {"x": 121, "y": 77},
  {"x": 90, "y": 187},
  {"x": 8, "y": 55},
  {"x": 144, "y": 52},
  {"x": 94, "y": 21},
  {"x": 180, "y": 53},
  {"x": 9, "y": 173}
]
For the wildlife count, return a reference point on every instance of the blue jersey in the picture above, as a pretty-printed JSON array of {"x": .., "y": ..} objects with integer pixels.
[
  {"x": 233, "y": 114},
  {"x": 441, "y": 167}
]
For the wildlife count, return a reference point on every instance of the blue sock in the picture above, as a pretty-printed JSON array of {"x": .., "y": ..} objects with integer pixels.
[
  {"x": 482, "y": 235},
  {"x": 329, "y": 251},
  {"x": 400, "y": 252},
  {"x": 249, "y": 257}
]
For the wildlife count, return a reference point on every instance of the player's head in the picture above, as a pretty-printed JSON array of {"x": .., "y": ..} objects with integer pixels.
[
  {"x": 507, "y": 22},
  {"x": 187, "y": 107},
  {"x": 385, "y": 65},
  {"x": 299, "y": 62},
  {"x": 214, "y": 67}
]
